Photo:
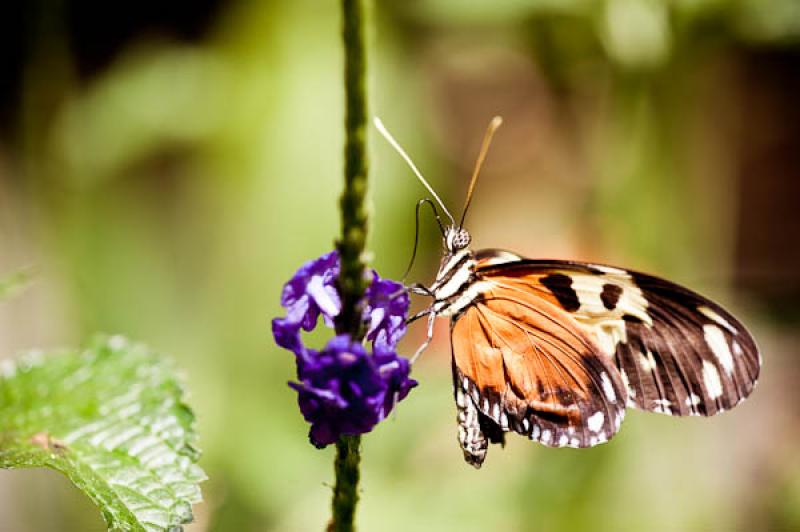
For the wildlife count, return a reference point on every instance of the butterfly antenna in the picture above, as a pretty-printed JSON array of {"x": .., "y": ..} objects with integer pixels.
[
  {"x": 379, "y": 125},
  {"x": 487, "y": 140},
  {"x": 416, "y": 233}
]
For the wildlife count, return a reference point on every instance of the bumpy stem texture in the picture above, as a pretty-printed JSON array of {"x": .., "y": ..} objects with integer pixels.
[
  {"x": 345, "y": 496},
  {"x": 352, "y": 281},
  {"x": 352, "y": 204}
]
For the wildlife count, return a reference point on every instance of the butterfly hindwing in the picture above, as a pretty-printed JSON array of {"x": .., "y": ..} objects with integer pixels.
[
  {"x": 677, "y": 352},
  {"x": 523, "y": 364}
]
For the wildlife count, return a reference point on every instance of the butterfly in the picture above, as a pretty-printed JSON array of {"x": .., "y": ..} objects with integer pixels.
[{"x": 557, "y": 350}]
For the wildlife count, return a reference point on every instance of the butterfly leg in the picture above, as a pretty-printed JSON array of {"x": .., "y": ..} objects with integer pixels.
[
  {"x": 429, "y": 337},
  {"x": 420, "y": 289}
]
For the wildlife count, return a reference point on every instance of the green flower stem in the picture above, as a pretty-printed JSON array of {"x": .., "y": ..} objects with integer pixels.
[
  {"x": 352, "y": 204},
  {"x": 345, "y": 496},
  {"x": 352, "y": 282}
]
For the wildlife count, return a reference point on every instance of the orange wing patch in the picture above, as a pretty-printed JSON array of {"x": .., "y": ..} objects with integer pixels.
[{"x": 524, "y": 364}]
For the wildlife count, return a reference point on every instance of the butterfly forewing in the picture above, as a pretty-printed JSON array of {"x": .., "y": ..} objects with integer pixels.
[
  {"x": 677, "y": 352},
  {"x": 694, "y": 359},
  {"x": 527, "y": 366}
]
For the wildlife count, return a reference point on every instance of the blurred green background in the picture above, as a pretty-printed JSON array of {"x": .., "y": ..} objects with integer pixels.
[{"x": 165, "y": 168}]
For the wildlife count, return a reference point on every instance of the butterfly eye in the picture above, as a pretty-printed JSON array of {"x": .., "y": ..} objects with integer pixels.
[{"x": 456, "y": 239}]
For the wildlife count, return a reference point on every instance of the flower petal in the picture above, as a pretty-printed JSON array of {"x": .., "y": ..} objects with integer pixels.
[
  {"x": 325, "y": 296},
  {"x": 386, "y": 310},
  {"x": 286, "y": 334}
]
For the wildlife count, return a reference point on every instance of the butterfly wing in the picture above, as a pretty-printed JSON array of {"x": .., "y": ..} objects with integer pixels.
[
  {"x": 677, "y": 352},
  {"x": 522, "y": 363}
]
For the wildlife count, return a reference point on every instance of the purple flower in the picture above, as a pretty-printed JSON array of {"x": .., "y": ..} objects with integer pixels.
[
  {"x": 309, "y": 293},
  {"x": 385, "y": 312},
  {"x": 344, "y": 390},
  {"x": 394, "y": 370}
]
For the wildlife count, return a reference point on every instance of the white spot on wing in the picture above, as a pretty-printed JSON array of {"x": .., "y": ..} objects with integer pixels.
[
  {"x": 715, "y": 339},
  {"x": 609, "y": 333},
  {"x": 609, "y": 269},
  {"x": 595, "y": 421},
  {"x": 711, "y": 380},
  {"x": 562, "y": 441},
  {"x": 647, "y": 361},
  {"x": 590, "y": 287},
  {"x": 737, "y": 349},
  {"x": 546, "y": 436},
  {"x": 692, "y": 400},
  {"x": 627, "y": 383},
  {"x": 608, "y": 325},
  {"x": 608, "y": 388},
  {"x": 716, "y": 318}
]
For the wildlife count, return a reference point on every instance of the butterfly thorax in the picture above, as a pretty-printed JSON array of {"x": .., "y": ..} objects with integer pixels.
[{"x": 456, "y": 283}]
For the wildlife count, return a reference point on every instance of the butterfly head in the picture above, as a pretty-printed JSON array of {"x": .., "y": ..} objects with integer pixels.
[{"x": 456, "y": 238}]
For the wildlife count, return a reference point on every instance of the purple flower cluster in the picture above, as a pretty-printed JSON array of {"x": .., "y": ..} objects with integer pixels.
[{"x": 343, "y": 389}]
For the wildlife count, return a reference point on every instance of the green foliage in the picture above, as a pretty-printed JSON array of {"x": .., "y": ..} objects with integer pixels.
[{"x": 113, "y": 420}]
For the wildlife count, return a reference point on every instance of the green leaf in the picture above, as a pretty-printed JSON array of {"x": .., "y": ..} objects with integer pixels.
[{"x": 113, "y": 420}]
